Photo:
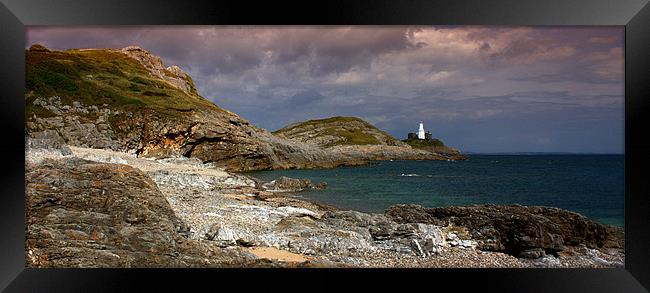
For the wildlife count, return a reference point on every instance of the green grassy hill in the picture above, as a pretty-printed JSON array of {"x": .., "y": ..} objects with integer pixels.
[
  {"x": 334, "y": 131},
  {"x": 99, "y": 76}
]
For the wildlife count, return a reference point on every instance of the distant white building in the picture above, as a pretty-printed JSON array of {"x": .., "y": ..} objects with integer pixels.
[
  {"x": 421, "y": 131},
  {"x": 420, "y": 134}
]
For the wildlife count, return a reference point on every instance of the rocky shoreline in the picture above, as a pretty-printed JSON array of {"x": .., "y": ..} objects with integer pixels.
[
  {"x": 102, "y": 208},
  {"x": 128, "y": 166}
]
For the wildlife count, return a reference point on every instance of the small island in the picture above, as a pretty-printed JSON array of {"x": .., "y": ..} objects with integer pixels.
[{"x": 360, "y": 140}]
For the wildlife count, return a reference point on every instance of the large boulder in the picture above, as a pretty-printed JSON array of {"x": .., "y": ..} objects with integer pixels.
[{"x": 521, "y": 231}]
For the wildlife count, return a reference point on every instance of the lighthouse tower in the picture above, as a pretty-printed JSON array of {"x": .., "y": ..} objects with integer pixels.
[{"x": 421, "y": 131}]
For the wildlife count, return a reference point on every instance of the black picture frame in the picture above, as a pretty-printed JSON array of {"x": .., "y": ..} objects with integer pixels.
[{"x": 633, "y": 14}]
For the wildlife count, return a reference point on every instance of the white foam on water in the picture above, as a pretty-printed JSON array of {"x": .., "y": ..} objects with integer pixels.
[{"x": 409, "y": 175}]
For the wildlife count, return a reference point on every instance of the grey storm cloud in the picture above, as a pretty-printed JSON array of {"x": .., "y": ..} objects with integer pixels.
[
  {"x": 469, "y": 83},
  {"x": 233, "y": 49}
]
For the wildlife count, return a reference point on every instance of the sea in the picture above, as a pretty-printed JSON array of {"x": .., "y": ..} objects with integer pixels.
[{"x": 592, "y": 185}]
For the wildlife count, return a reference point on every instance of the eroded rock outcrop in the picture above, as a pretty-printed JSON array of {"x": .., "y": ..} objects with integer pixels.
[
  {"x": 529, "y": 232},
  {"x": 172, "y": 74}
]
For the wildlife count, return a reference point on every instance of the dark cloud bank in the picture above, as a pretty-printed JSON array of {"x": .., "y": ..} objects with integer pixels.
[{"x": 482, "y": 89}]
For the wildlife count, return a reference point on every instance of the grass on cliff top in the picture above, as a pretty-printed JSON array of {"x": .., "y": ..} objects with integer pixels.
[
  {"x": 317, "y": 122},
  {"x": 96, "y": 77},
  {"x": 350, "y": 137},
  {"x": 347, "y": 136}
]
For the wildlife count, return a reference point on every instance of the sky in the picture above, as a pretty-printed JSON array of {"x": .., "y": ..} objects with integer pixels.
[{"x": 477, "y": 88}]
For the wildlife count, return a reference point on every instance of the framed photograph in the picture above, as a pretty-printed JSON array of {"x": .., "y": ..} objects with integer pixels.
[{"x": 499, "y": 142}]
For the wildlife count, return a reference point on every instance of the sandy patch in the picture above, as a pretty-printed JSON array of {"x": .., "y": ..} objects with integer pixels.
[{"x": 277, "y": 254}]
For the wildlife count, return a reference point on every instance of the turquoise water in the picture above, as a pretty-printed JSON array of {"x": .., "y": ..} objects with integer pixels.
[{"x": 592, "y": 185}]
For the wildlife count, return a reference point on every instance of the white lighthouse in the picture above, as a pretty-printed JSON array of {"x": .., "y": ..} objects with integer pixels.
[{"x": 421, "y": 131}]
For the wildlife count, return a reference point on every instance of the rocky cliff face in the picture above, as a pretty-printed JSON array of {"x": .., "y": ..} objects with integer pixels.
[
  {"x": 126, "y": 100},
  {"x": 353, "y": 137}
]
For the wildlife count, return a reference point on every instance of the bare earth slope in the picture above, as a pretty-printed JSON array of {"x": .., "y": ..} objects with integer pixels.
[{"x": 126, "y": 100}]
